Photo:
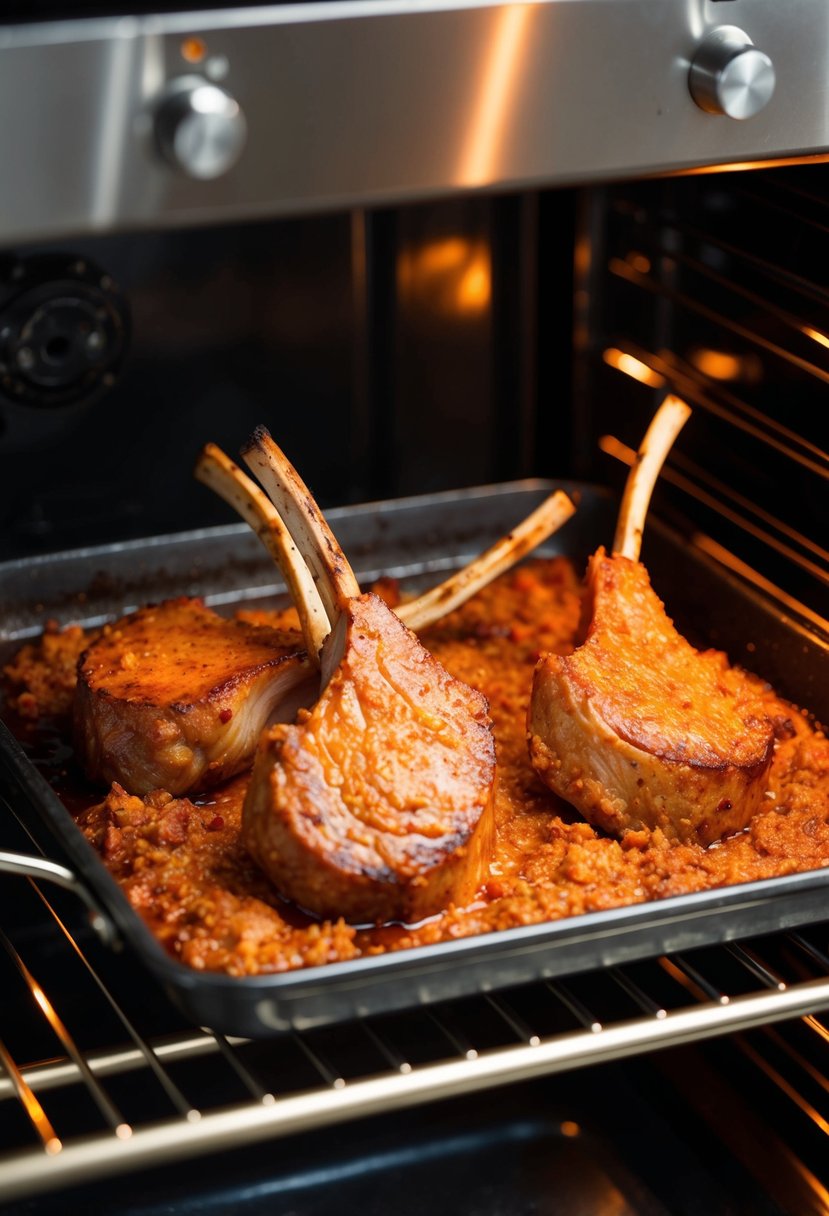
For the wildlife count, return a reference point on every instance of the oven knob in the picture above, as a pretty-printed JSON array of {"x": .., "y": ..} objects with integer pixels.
[
  {"x": 200, "y": 129},
  {"x": 730, "y": 76}
]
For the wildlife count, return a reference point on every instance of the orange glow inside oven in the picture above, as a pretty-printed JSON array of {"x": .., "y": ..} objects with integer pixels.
[
  {"x": 193, "y": 50},
  {"x": 452, "y": 275},
  {"x": 629, "y": 365}
]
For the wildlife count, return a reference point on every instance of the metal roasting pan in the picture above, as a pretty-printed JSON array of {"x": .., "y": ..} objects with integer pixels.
[{"x": 413, "y": 539}]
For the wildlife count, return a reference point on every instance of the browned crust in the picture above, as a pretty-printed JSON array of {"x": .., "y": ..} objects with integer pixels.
[
  {"x": 637, "y": 729},
  {"x": 652, "y": 688},
  {"x": 377, "y": 806},
  {"x": 174, "y": 696},
  {"x": 678, "y": 755},
  {"x": 213, "y": 909}
]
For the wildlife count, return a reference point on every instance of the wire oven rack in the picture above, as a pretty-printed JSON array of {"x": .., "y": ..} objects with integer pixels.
[{"x": 93, "y": 1082}]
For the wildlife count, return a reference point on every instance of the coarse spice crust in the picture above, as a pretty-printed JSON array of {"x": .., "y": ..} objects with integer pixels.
[
  {"x": 175, "y": 696},
  {"x": 183, "y": 867},
  {"x": 639, "y": 730}
]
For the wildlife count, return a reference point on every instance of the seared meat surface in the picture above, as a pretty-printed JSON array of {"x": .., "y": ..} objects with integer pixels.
[
  {"x": 175, "y": 696},
  {"x": 637, "y": 729},
  {"x": 185, "y": 871},
  {"x": 378, "y": 805}
]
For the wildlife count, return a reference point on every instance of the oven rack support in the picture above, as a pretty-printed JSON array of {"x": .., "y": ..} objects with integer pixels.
[{"x": 700, "y": 1006}]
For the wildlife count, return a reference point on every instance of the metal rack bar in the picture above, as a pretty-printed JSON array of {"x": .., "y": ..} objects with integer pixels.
[
  {"x": 54, "y": 1075},
  {"x": 759, "y": 301},
  {"x": 34, "y": 1111},
  {"x": 453, "y": 1035},
  {"x": 720, "y": 319},
  {"x": 572, "y": 1003},
  {"x": 144, "y": 1053},
  {"x": 637, "y": 994},
  {"x": 785, "y": 1086},
  {"x": 780, "y": 274},
  {"x": 514, "y": 1020},
  {"x": 620, "y": 451},
  {"x": 798, "y": 1059},
  {"x": 703, "y": 1009},
  {"x": 394, "y": 1058},
  {"x": 326, "y": 1070},
  {"x": 101, "y": 1155},
  {"x": 692, "y": 978},
  {"x": 748, "y": 959},
  {"x": 105, "y": 1105},
  {"x": 256, "y": 1091},
  {"x": 727, "y": 407},
  {"x": 817, "y": 955},
  {"x": 719, "y": 492}
]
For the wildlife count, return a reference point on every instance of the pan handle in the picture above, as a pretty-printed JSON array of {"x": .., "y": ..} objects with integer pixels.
[{"x": 52, "y": 871}]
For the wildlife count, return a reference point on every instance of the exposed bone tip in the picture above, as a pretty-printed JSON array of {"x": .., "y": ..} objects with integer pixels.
[
  {"x": 531, "y": 532},
  {"x": 216, "y": 470},
  {"x": 207, "y": 453},
  {"x": 666, "y": 424},
  {"x": 259, "y": 436},
  {"x": 680, "y": 407}
]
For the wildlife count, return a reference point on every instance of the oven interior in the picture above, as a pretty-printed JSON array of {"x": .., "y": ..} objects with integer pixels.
[
  {"x": 406, "y": 350},
  {"x": 433, "y": 346}
]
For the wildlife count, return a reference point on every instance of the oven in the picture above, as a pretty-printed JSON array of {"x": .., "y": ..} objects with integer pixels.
[{"x": 433, "y": 246}]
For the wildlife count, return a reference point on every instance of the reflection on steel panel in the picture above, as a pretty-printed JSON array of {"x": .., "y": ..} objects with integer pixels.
[{"x": 368, "y": 101}]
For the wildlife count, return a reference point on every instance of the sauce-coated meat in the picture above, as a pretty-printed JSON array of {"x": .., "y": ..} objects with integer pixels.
[
  {"x": 175, "y": 696},
  {"x": 637, "y": 729},
  {"x": 377, "y": 806},
  {"x": 183, "y": 866}
]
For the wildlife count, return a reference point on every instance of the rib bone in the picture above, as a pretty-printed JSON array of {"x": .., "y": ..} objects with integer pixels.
[
  {"x": 636, "y": 728},
  {"x": 432, "y": 605},
  {"x": 378, "y": 805},
  {"x": 174, "y": 696},
  {"x": 328, "y": 564},
  {"x": 221, "y": 474},
  {"x": 668, "y": 421},
  {"x": 216, "y": 470}
]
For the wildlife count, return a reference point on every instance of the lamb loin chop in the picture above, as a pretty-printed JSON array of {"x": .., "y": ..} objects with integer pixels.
[
  {"x": 378, "y": 805},
  {"x": 175, "y": 696},
  {"x": 636, "y": 728}
]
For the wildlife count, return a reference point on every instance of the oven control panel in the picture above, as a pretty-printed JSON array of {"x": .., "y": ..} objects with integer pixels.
[
  {"x": 200, "y": 128},
  {"x": 168, "y": 119},
  {"x": 730, "y": 76}
]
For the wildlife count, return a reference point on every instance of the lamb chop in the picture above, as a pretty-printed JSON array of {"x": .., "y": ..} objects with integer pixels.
[
  {"x": 378, "y": 805},
  {"x": 175, "y": 696},
  {"x": 636, "y": 728}
]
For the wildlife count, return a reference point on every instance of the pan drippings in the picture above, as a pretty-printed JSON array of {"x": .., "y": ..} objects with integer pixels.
[{"x": 182, "y": 865}]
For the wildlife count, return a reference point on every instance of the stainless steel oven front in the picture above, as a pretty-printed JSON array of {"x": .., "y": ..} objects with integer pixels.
[{"x": 433, "y": 246}]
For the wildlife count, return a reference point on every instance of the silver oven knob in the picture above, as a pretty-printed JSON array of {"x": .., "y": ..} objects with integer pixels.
[
  {"x": 730, "y": 76},
  {"x": 200, "y": 129}
]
